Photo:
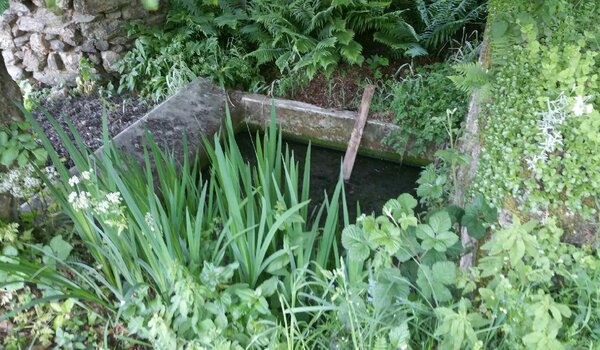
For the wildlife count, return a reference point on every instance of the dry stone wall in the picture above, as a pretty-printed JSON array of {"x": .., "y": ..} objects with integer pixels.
[{"x": 46, "y": 44}]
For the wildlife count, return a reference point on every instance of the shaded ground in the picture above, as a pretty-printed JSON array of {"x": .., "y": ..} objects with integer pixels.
[
  {"x": 85, "y": 112},
  {"x": 344, "y": 88}
]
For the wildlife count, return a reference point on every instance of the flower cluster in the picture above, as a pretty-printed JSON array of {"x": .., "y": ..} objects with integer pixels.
[
  {"x": 23, "y": 182},
  {"x": 106, "y": 206}
]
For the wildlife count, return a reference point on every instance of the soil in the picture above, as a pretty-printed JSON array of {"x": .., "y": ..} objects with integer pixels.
[
  {"x": 85, "y": 112},
  {"x": 344, "y": 88}
]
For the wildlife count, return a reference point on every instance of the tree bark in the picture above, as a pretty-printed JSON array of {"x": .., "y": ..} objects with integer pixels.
[{"x": 10, "y": 94}]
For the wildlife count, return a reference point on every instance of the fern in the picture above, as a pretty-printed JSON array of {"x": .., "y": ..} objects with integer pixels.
[
  {"x": 472, "y": 78},
  {"x": 3, "y": 6},
  {"x": 443, "y": 18}
]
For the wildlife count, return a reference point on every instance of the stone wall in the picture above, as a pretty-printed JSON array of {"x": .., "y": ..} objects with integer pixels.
[{"x": 46, "y": 44}]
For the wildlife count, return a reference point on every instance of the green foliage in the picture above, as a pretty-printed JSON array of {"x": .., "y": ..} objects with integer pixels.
[
  {"x": 420, "y": 104},
  {"x": 442, "y": 19},
  {"x": 18, "y": 146},
  {"x": 544, "y": 62}
]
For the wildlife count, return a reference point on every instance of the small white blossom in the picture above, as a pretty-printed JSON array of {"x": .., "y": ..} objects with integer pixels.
[
  {"x": 81, "y": 201},
  {"x": 86, "y": 175},
  {"x": 114, "y": 197},
  {"x": 581, "y": 107},
  {"x": 73, "y": 181},
  {"x": 102, "y": 207}
]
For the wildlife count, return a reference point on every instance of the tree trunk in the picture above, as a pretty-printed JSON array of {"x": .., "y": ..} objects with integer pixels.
[{"x": 9, "y": 112}]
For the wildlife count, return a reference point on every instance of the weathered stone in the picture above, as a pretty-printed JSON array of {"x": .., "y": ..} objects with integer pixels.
[
  {"x": 9, "y": 57},
  {"x": 55, "y": 62},
  {"x": 53, "y": 78},
  {"x": 101, "y": 45},
  {"x": 97, "y": 6},
  {"x": 53, "y": 23},
  {"x": 18, "y": 7},
  {"x": 6, "y": 38},
  {"x": 118, "y": 48},
  {"x": 113, "y": 15},
  {"x": 109, "y": 59},
  {"x": 119, "y": 40},
  {"x": 133, "y": 12},
  {"x": 88, "y": 46},
  {"x": 57, "y": 45},
  {"x": 33, "y": 61},
  {"x": 83, "y": 18},
  {"x": 64, "y": 4},
  {"x": 9, "y": 18},
  {"x": 70, "y": 36},
  {"x": 21, "y": 40},
  {"x": 38, "y": 43},
  {"x": 103, "y": 29},
  {"x": 50, "y": 37},
  {"x": 39, "y": 3},
  {"x": 30, "y": 24},
  {"x": 96, "y": 59},
  {"x": 17, "y": 72},
  {"x": 71, "y": 60}
]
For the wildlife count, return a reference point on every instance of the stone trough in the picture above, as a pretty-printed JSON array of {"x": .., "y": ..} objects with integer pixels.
[{"x": 200, "y": 109}]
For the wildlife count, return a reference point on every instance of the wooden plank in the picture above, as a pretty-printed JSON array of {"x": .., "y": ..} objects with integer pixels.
[{"x": 357, "y": 132}]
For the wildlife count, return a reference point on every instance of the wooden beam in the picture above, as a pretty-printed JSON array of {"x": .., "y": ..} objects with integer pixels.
[{"x": 357, "y": 132}]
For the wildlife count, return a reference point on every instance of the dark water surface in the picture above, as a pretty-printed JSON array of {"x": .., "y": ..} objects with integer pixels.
[{"x": 373, "y": 181}]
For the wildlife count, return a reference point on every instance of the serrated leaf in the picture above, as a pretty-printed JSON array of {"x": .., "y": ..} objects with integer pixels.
[
  {"x": 444, "y": 272},
  {"x": 440, "y": 222},
  {"x": 353, "y": 240},
  {"x": 390, "y": 286}
]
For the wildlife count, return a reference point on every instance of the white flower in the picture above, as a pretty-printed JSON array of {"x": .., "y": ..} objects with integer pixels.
[
  {"x": 150, "y": 221},
  {"x": 102, "y": 207},
  {"x": 72, "y": 197},
  {"x": 80, "y": 201},
  {"x": 581, "y": 107},
  {"x": 31, "y": 182},
  {"x": 86, "y": 175},
  {"x": 73, "y": 181},
  {"x": 114, "y": 197}
]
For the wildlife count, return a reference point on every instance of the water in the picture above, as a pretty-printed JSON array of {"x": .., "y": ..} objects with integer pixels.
[{"x": 373, "y": 181}]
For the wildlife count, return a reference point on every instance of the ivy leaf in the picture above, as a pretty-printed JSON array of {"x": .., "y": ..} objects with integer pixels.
[{"x": 354, "y": 242}]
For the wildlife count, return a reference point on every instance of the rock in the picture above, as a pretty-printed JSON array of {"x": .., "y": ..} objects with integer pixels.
[
  {"x": 101, "y": 45},
  {"x": 102, "y": 29},
  {"x": 55, "y": 62},
  {"x": 88, "y": 46},
  {"x": 53, "y": 23},
  {"x": 21, "y": 40},
  {"x": 30, "y": 24},
  {"x": 57, "y": 45},
  {"x": 10, "y": 58},
  {"x": 71, "y": 60},
  {"x": 97, "y": 6},
  {"x": 109, "y": 59},
  {"x": 96, "y": 59},
  {"x": 39, "y": 44},
  {"x": 70, "y": 36},
  {"x": 8, "y": 18},
  {"x": 17, "y": 72},
  {"x": 118, "y": 48},
  {"x": 50, "y": 37},
  {"x": 33, "y": 61},
  {"x": 6, "y": 38},
  {"x": 64, "y": 4},
  {"x": 113, "y": 15},
  {"x": 18, "y": 7},
  {"x": 83, "y": 18},
  {"x": 54, "y": 78},
  {"x": 134, "y": 12},
  {"x": 39, "y": 3},
  {"x": 17, "y": 32}
]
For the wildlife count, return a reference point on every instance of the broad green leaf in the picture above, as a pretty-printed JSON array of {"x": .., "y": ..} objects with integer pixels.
[
  {"x": 354, "y": 241},
  {"x": 61, "y": 248},
  {"x": 440, "y": 222}
]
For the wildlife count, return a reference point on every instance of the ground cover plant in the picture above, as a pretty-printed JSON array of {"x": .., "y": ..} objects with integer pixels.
[{"x": 240, "y": 42}]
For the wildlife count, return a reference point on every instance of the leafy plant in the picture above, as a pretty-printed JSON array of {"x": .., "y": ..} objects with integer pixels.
[
  {"x": 421, "y": 101},
  {"x": 18, "y": 146}
]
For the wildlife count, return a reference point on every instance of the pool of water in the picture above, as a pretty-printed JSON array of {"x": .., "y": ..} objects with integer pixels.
[{"x": 373, "y": 181}]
